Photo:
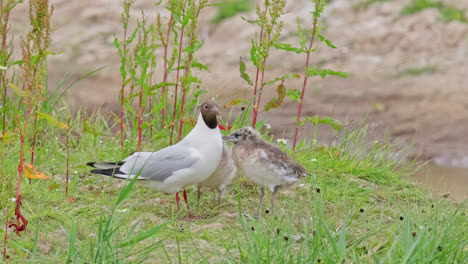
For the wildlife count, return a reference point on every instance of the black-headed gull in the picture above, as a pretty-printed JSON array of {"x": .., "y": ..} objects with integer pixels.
[
  {"x": 263, "y": 163},
  {"x": 171, "y": 169},
  {"x": 222, "y": 176}
]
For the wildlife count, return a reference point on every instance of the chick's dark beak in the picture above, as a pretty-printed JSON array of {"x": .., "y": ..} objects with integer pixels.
[{"x": 227, "y": 138}]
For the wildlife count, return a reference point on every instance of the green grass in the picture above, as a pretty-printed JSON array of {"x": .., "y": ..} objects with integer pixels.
[
  {"x": 447, "y": 13},
  {"x": 354, "y": 207},
  {"x": 227, "y": 9}
]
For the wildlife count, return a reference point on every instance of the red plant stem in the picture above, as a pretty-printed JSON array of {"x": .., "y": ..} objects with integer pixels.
[
  {"x": 187, "y": 66},
  {"x": 181, "y": 117},
  {"x": 21, "y": 227},
  {"x": 299, "y": 111},
  {"x": 122, "y": 90},
  {"x": 68, "y": 160},
  {"x": 177, "y": 76},
  {"x": 255, "y": 107},
  {"x": 166, "y": 45}
]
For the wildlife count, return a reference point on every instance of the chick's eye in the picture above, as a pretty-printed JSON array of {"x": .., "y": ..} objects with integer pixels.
[
  {"x": 237, "y": 135},
  {"x": 205, "y": 106}
]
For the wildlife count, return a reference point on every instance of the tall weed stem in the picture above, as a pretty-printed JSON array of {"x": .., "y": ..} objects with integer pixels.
[
  {"x": 299, "y": 111},
  {"x": 177, "y": 75},
  {"x": 186, "y": 82},
  {"x": 166, "y": 45},
  {"x": 125, "y": 18}
]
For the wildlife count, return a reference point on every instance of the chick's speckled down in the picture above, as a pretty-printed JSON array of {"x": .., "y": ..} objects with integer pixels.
[{"x": 263, "y": 163}]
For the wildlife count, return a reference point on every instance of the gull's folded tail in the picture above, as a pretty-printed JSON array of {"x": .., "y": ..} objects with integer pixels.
[{"x": 105, "y": 165}]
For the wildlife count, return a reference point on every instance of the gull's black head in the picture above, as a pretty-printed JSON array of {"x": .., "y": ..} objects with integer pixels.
[
  {"x": 242, "y": 135},
  {"x": 210, "y": 111}
]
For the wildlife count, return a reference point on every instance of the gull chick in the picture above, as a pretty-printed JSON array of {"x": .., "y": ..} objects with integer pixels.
[
  {"x": 171, "y": 169},
  {"x": 222, "y": 176},
  {"x": 263, "y": 163}
]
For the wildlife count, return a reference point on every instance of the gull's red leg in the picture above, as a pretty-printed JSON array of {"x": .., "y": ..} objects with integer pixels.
[
  {"x": 186, "y": 201},
  {"x": 177, "y": 199},
  {"x": 219, "y": 198}
]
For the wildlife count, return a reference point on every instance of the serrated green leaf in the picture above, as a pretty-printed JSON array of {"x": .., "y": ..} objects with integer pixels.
[
  {"x": 288, "y": 47},
  {"x": 294, "y": 94},
  {"x": 328, "y": 42},
  {"x": 243, "y": 74}
]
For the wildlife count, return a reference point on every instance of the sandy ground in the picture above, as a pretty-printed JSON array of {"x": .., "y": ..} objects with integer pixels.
[{"x": 375, "y": 45}]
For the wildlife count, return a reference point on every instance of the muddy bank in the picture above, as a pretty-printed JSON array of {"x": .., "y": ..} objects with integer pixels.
[
  {"x": 407, "y": 74},
  {"x": 448, "y": 182}
]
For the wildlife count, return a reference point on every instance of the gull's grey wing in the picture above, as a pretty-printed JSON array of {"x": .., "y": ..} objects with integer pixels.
[{"x": 158, "y": 166}]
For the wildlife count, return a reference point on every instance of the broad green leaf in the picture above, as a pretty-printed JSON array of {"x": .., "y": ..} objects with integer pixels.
[
  {"x": 243, "y": 74},
  {"x": 17, "y": 90},
  {"x": 276, "y": 102},
  {"x": 288, "y": 47},
  {"x": 294, "y": 94}
]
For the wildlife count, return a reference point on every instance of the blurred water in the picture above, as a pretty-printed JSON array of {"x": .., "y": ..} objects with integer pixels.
[{"x": 444, "y": 180}]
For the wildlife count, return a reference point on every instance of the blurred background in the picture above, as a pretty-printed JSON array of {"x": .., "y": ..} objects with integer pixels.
[{"x": 407, "y": 62}]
